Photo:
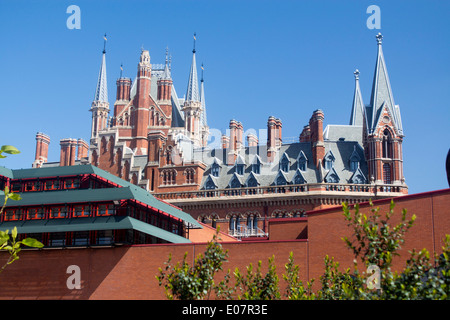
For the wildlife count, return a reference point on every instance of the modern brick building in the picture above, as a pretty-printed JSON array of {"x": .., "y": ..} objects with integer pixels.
[
  {"x": 159, "y": 141},
  {"x": 73, "y": 206}
]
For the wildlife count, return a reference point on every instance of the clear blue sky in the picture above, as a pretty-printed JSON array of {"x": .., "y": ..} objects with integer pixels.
[{"x": 262, "y": 58}]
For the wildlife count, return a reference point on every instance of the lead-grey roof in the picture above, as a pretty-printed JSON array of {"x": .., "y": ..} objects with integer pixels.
[
  {"x": 101, "y": 91},
  {"x": 342, "y": 151}
]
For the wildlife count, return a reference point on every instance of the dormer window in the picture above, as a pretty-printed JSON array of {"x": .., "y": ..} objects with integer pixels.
[
  {"x": 284, "y": 163},
  {"x": 329, "y": 160},
  {"x": 354, "y": 160},
  {"x": 302, "y": 161},
  {"x": 240, "y": 165},
  {"x": 256, "y": 165},
  {"x": 215, "y": 169}
]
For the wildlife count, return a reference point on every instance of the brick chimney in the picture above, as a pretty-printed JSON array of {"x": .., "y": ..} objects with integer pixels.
[
  {"x": 225, "y": 141},
  {"x": 42, "y": 142},
  {"x": 82, "y": 149},
  {"x": 317, "y": 143},
  {"x": 235, "y": 143},
  {"x": 252, "y": 140},
  {"x": 278, "y": 136},
  {"x": 68, "y": 150},
  {"x": 305, "y": 136},
  {"x": 273, "y": 137}
]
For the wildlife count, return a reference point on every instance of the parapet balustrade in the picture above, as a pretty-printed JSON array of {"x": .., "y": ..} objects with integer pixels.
[{"x": 369, "y": 189}]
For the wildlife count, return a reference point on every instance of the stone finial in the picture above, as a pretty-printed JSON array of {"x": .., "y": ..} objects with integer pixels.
[{"x": 379, "y": 38}]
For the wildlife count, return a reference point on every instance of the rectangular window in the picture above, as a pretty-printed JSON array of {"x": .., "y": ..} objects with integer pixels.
[
  {"x": 35, "y": 213},
  {"x": 105, "y": 237},
  {"x": 80, "y": 238},
  {"x": 57, "y": 239},
  {"x": 58, "y": 212}
]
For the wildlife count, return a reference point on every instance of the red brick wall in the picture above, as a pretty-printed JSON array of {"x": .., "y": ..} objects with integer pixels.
[
  {"x": 326, "y": 228},
  {"x": 129, "y": 272}
]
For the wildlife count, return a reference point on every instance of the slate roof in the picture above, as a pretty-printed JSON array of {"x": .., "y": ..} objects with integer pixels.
[{"x": 341, "y": 149}]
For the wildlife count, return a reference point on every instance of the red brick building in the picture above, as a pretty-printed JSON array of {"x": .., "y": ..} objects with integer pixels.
[{"x": 159, "y": 142}]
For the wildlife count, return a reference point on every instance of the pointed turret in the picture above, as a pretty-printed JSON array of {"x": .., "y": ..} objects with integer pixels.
[
  {"x": 357, "y": 116},
  {"x": 203, "y": 122},
  {"x": 165, "y": 90},
  {"x": 192, "y": 93},
  {"x": 202, "y": 100},
  {"x": 101, "y": 92},
  {"x": 100, "y": 105},
  {"x": 384, "y": 134},
  {"x": 192, "y": 107},
  {"x": 382, "y": 93}
]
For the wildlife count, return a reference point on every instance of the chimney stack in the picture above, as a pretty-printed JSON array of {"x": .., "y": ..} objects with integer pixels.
[
  {"x": 68, "y": 150},
  {"x": 317, "y": 143},
  {"x": 225, "y": 141},
  {"x": 82, "y": 149},
  {"x": 42, "y": 142},
  {"x": 305, "y": 136},
  {"x": 252, "y": 140},
  {"x": 273, "y": 137}
]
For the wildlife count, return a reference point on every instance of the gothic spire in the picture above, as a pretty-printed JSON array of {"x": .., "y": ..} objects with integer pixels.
[
  {"x": 166, "y": 74},
  {"x": 381, "y": 92},
  {"x": 101, "y": 92},
  {"x": 356, "y": 117},
  {"x": 192, "y": 93},
  {"x": 202, "y": 100}
]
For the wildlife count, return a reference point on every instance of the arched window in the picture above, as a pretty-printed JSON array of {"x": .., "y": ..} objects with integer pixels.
[
  {"x": 387, "y": 173},
  {"x": 190, "y": 175},
  {"x": 169, "y": 155},
  {"x": 387, "y": 144},
  {"x": 169, "y": 177}
]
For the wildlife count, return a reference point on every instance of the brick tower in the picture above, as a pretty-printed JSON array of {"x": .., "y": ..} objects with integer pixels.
[
  {"x": 383, "y": 131},
  {"x": 100, "y": 105}
]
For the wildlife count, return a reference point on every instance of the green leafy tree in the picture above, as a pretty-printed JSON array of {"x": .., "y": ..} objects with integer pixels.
[
  {"x": 253, "y": 285},
  {"x": 8, "y": 241},
  {"x": 185, "y": 282},
  {"x": 295, "y": 289}
]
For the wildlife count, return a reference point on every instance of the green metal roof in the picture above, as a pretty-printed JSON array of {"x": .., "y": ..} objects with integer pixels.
[
  {"x": 89, "y": 224},
  {"x": 96, "y": 195},
  {"x": 59, "y": 171},
  {"x": 127, "y": 190},
  {"x": 6, "y": 172}
]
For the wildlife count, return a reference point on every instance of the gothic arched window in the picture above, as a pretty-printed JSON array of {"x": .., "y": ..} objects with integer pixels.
[{"x": 387, "y": 144}]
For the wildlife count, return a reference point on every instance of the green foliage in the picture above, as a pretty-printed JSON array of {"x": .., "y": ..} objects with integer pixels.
[
  {"x": 375, "y": 242},
  {"x": 183, "y": 282},
  {"x": 256, "y": 286},
  {"x": 8, "y": 242},
  {"x": 295, "y": 289}
]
